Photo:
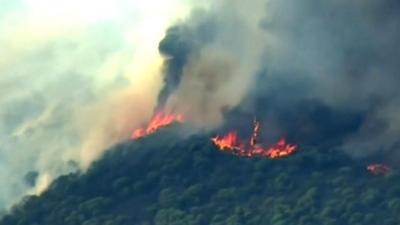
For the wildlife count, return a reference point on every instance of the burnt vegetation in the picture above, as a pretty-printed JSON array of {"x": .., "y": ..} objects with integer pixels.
[{"x": 163, "y": 179}]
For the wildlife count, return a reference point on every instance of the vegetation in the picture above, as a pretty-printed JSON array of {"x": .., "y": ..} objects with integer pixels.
[{"x": 165, "y": 180}]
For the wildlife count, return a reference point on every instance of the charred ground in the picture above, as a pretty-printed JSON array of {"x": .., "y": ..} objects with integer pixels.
[{"x": 166, "y": 179}]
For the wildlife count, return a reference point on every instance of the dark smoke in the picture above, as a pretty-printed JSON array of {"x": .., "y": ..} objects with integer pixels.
[
  {"x": 333, "y": 74},
  {"x": 329, "y": 72},
  {"x": 179, "y": 44}
]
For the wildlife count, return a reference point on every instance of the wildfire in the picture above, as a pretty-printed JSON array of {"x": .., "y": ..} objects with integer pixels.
[
  {"x": 158, "y": 121},
  {"x": 230, "y": 142},
  {"x": 281, "y": 149},
  {"x": 379, "y": 169}
]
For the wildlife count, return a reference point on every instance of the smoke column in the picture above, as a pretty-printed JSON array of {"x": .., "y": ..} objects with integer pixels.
[
  {"x": 211, "y": 59},
  {"x": 317, "y": 72}
]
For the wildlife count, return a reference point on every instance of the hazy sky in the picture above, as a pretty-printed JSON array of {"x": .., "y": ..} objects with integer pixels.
[{"x": 75, "y": 77}]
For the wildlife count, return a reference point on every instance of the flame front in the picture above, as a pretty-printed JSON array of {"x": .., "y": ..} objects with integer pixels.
[
  {"x": 379, "y": 169},
  {"x": 158, "y": 121},
  {"x": 231, "y": 143},
  {"x": 281, "y": 149},
  {"x": 226, "y": 142}
]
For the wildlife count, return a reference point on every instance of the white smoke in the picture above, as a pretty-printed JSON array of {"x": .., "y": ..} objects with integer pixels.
[{"x": 75, "y": 77}]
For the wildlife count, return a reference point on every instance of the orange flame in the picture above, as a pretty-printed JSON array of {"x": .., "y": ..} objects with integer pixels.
[
  {"x": 379, "y": 169},
  {"x": 231, "y": 143},
  {"x": 281, "y": 149},
  {"x": 158, "y": 121},
  {"x": 228, "y": 141}
]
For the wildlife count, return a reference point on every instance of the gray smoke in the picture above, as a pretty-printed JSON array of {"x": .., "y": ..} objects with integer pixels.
[
  {"x": 179, "y": 44},
  {"x": 340, "y": 55},
  {"x": 327, "y": 72},
  {"x": 75, "y": 78}
]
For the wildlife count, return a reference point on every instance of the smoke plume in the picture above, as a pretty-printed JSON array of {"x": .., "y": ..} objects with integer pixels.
[
  {"x": 213, "y": 57},
  {"x": 75, "y": 78},
  {"x": 317, "y": 72}
]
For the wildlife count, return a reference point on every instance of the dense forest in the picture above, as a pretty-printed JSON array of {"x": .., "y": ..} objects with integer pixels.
[{"x": 164, "y": 179}]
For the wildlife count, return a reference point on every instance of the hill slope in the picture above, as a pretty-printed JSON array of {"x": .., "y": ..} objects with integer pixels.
[{"x": 165, "y": 180}]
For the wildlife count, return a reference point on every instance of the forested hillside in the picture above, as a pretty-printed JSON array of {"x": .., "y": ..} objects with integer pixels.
[{"x": 165, "y": 180}]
